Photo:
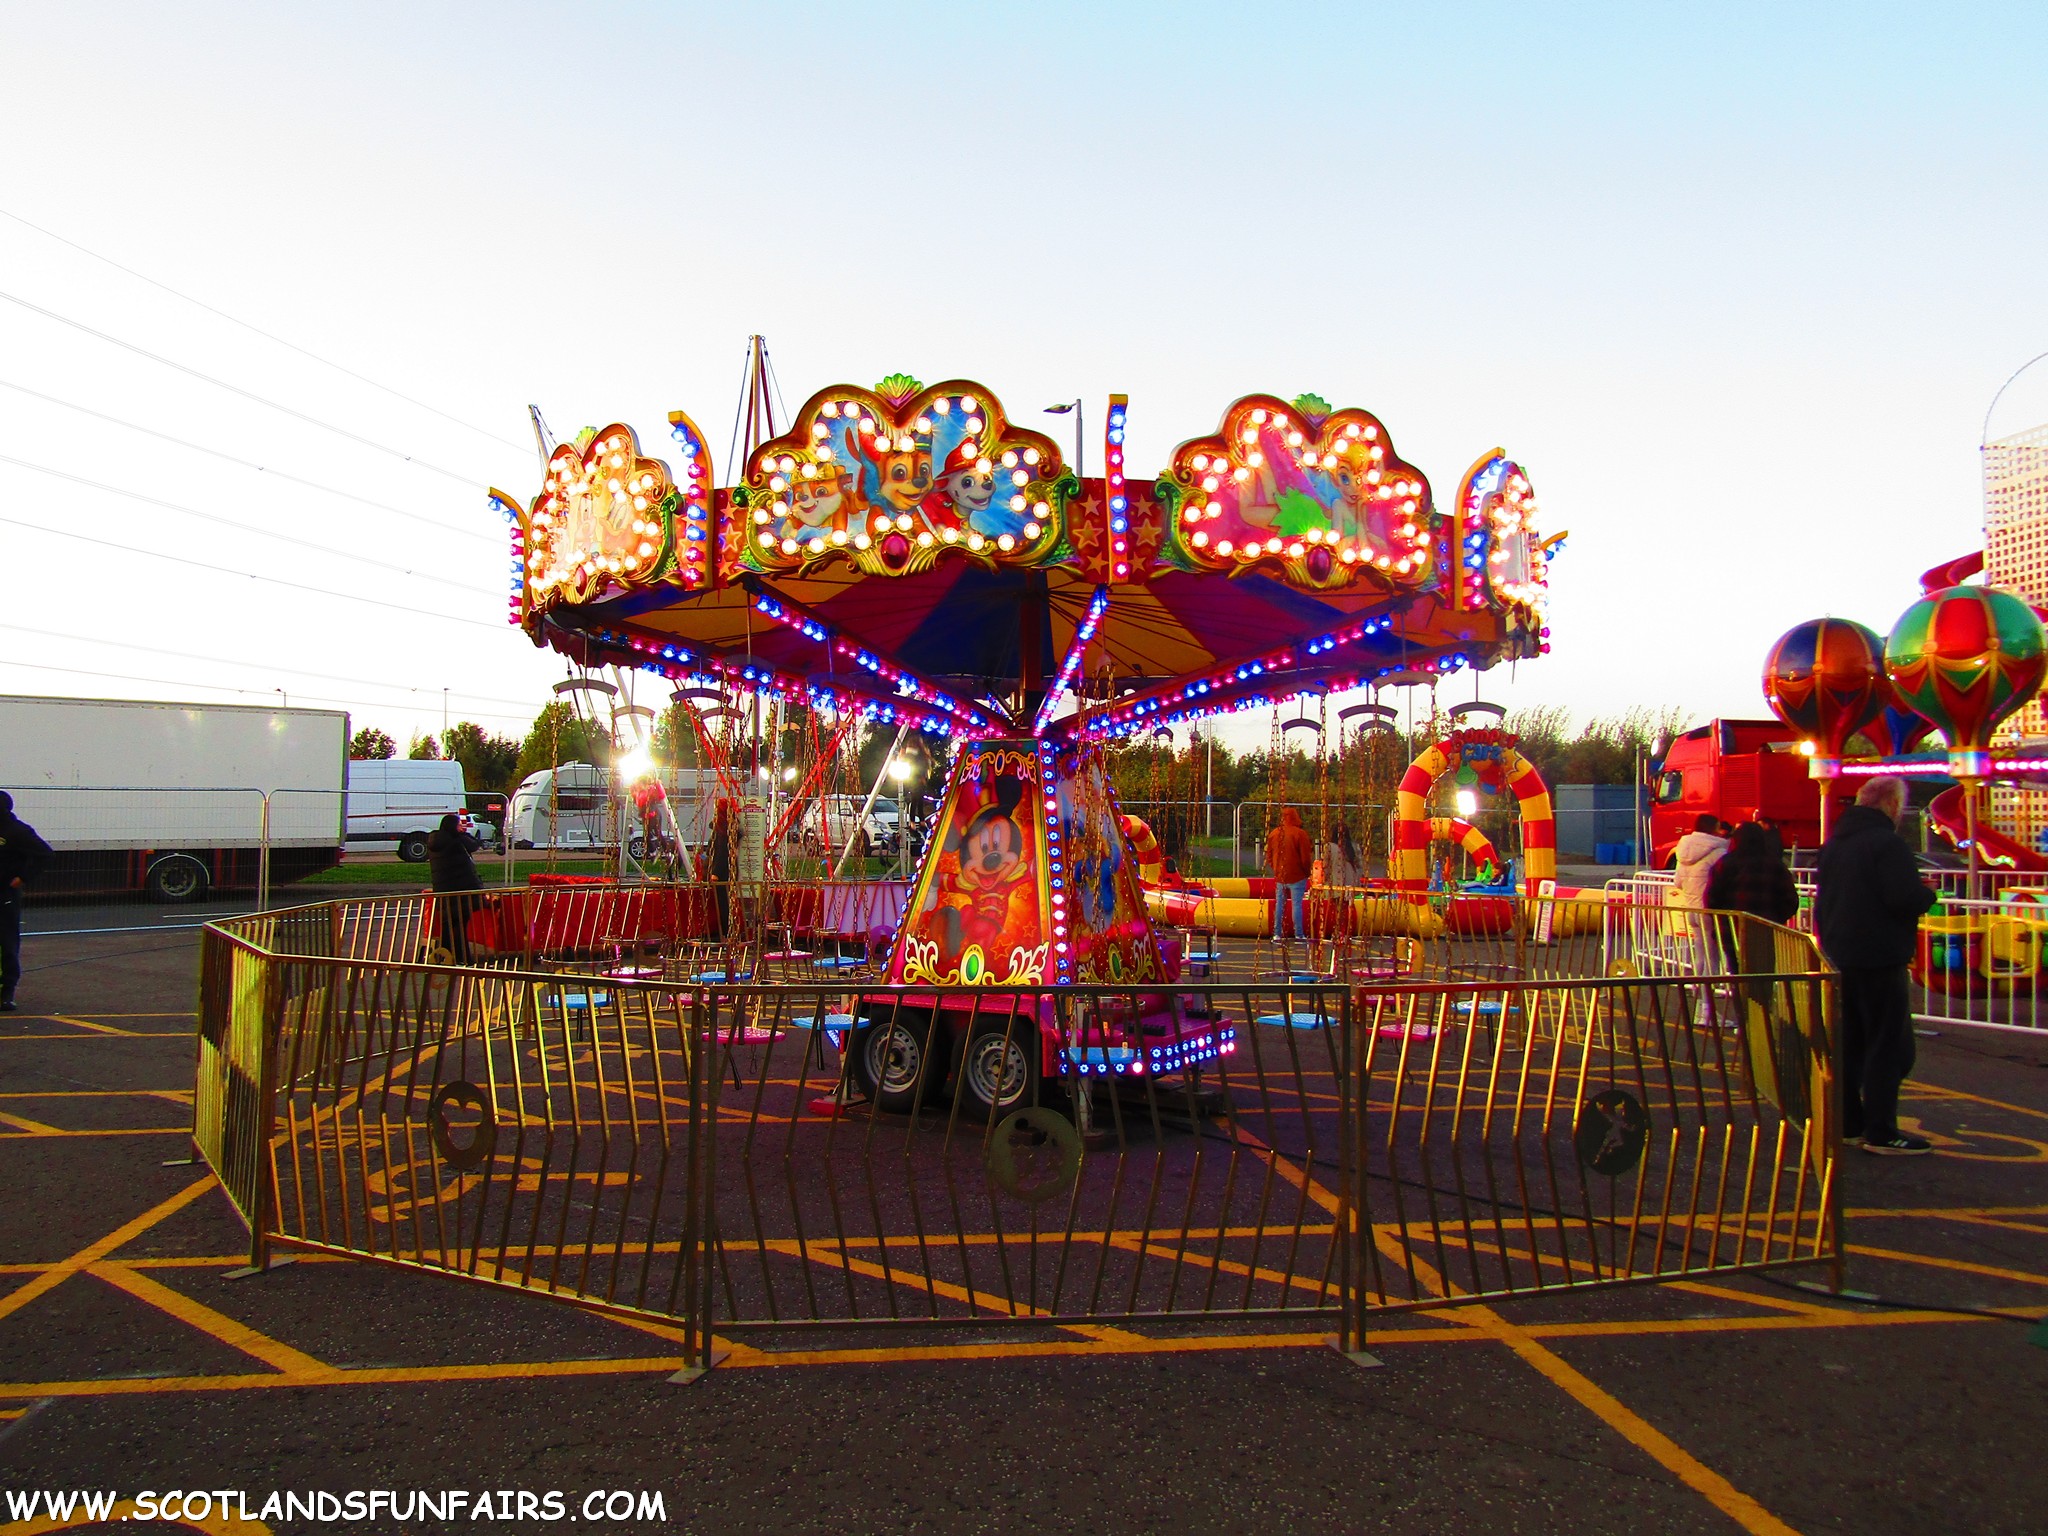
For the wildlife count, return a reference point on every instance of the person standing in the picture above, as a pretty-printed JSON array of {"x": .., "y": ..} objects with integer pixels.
[
  {"x": 1696, "y": 855},
  {"x": 1867, "y": 913},
  {"x": 1751, "y": 878},
  {"x": 1289, "y": 854},
  {"x": 1342, "y": 866},
  {"x": 454, "y": 871},
  {"x": 22, "y": 857}
]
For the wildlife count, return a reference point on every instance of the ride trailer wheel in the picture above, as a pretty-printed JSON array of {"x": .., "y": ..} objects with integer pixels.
[
  {"x": 999, "y": 1071},
  {"x": 177, "y": 878},
  {"x": 890, "y": 1056}
]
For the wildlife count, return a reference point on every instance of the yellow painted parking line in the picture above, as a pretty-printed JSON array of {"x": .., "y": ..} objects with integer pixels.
[
  {"x": 1935, "y": 1091},
  {"x": 1962, "y": 1266},
  {"x": 105, "y": 1029},
  {"x": 1749, "y": 1298},
  {"x": 23, "y": 1123},
  {"x": 218, "y": 1325},
  {"x": 1631, "y": 1426},
  {"x": 92, "y": 1253},
  {"x": 142, "y": 1130},
  {"x": 183, "y": 1095}
]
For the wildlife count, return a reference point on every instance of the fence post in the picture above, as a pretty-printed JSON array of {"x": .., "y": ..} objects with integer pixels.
[
  {"x": 700, "y": 1181},
  {"x": 1354, "y": 1226},
  {"x": 263, "y": 856}
]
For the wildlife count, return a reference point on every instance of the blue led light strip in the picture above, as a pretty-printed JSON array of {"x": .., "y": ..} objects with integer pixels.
[{"x": 1097, "y": 606}]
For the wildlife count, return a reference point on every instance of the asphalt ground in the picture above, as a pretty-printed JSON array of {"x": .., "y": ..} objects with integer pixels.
[{"x": 131, "y": 1361}]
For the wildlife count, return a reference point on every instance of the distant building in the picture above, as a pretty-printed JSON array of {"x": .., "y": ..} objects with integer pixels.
[{"x": 2016, "y": 559}]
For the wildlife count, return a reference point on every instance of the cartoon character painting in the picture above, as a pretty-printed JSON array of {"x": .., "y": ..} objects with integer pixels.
[{"x": 977, "y": 917}]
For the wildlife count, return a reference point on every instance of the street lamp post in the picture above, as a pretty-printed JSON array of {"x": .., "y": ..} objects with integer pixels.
[{"x": 1073, "y": 407}]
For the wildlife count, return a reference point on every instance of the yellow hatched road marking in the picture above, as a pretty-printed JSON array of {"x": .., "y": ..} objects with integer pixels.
[
  {"x": 1631, "y": 1426},
  {"x": 23, "y": 1123},
  {"x": 1962, "y": 1266},
  {"x": 235, "y": 1335},
  {"x": 105, "y": 1029},
  {"x": 92, "y": 1253}
]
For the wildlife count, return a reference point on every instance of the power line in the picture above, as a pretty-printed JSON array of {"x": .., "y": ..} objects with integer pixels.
[
  {"x": 231, "y": 661},
  {"x": 311, "y": 485},
  {"x": 167, "y": 682},
  {"x": 228, "y": 522},
  {"x": 293, "y": 346},
  {"x": 276, "y": 581},
  {"x": 236, "y": 389}
]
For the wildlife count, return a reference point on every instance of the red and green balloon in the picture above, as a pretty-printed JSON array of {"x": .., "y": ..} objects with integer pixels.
[
  {"x": 1966, "y": 658},
  {"x": 1825, "y": 679}
]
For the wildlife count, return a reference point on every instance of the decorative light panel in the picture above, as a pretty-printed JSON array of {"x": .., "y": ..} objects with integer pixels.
[
  {"x": 1319, "y": 492},
  {"x": 1500, "y": 542},
  {"x": 893, "y": 477},
  {"x": 605, "y": 517}
]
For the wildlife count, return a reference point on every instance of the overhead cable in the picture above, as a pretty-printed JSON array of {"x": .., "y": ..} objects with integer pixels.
[{"x": 327, "y": 362}]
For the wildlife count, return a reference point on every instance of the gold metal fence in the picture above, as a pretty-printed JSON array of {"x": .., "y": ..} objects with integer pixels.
[{"x": 698, "y": 1130}]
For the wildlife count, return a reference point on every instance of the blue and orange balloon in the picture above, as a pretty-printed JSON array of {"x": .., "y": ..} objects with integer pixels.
[{"x": 1826, "y": 680}]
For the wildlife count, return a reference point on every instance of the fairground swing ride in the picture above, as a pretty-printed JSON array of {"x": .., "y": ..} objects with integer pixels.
[{"x": 907, "y": 558}]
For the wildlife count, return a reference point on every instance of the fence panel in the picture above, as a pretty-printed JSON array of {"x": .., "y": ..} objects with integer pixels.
[{"x": 1528, "y": 1137}]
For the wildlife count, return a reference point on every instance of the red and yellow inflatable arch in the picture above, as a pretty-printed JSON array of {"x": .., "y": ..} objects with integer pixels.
[{"x": 1493, "y": 754}]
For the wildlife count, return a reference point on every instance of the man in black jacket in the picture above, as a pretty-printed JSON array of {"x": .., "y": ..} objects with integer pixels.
[
  {"x": 1867, "y": 913},
  {"x": 22, "y": 856}
]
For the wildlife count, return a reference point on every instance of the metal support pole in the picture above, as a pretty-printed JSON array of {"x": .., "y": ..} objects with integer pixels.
[{"x": 869, "y": 804}]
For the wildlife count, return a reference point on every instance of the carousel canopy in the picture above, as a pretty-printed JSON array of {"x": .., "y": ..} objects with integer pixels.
[{"x": 907, "y": 552}]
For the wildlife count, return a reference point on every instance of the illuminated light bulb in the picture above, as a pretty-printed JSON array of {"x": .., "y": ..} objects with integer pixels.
[
  {"x": 818, "y": 428},
  {"x": 1200, "y": 541},
  {"x": 1294, "y": 439},
  {"x": 824, "y": 451},
  {"x": 1251, "y": 550},
  {"x": 1240, "y": 474},
  {"x": 810, "y": 471},
  {"x": 1378, "y": 453},
  {"x": 760, "y": 514},
  {"x": 782, "y": 509},
  {"x": 1005, "y": 543},
  {"x": 777, "y": 483},
  {"x": 950, "y": 535},
  {"x": 905, "y": 443},
  {"x": 973, "y": 422},
  {"x": 767, "y": 541},
  {"x": 861, "y": 541},
  {"x": 838, "y": 535},
  {"x": 1348, "y": 555},
  {"x": 880, "y": 523},
  {"x": 1017, "y": 503},
  {"x": 1259, "y": 415},
  {"x": 646, "y": 550},
  {"x": 1199, "y": 461},
  {"x": 975, "y": 541},
  {"x": 1249, "y": 435},
  {"x": 1032, "y": 530},
  {"x": 786, "y": 464},
  {"x": 903, "y": 521},
  {"x": 1020, "y": 477},
  {"x": 924, "y": 540},
  {"x": 943, "y": 406},
  {"x": 1010, "y": 458},
  {"x": 983, "y": 467},
  {"x": 924, "y": 423},
  {"x": 614, "y": 487},
  {"x": 1222, "y": 546},
  {"x": 1210, "y": 482},
  {"x": 616, "y": 460}
]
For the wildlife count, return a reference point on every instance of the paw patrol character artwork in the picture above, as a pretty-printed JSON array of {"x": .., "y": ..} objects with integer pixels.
[
  {"x": 978, "y": 916},
  {"x": 1110, "y": 933}
]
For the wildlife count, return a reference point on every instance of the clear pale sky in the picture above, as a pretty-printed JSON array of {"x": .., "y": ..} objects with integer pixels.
[{"x": 1735, "y": 283}]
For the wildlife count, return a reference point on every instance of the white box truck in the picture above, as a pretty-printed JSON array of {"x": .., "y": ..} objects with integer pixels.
[
  {"x": 396, "y": 802},
  {"x": 174, "y": 799}
]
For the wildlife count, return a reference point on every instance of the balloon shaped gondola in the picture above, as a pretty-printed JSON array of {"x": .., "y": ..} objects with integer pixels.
[
  {"x": 1967, "y": 658},
  {"x": 1825, "y": 679}
]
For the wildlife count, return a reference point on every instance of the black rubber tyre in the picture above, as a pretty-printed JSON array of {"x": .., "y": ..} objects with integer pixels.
[
  {"x": 999, "y": 1070},
  {"x": 175, "y": 878},
  {"x": 412, "y": 848},
  {"x": 637, "y": 847},
  {"x": 888, "y": 1057}
]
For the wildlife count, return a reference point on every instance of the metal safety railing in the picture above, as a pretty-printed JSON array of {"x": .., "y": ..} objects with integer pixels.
[{"x": 683, "y": 1131}]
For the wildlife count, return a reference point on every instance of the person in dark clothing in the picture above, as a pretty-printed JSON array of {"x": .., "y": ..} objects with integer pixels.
[
  {"x": 22, "y": 857},
  {"x": 454, "y": 871},
  {"x": 719, "y": 865},
  {"x": 1867, "y": 913},
  {"x": 1751, "y": 878}
]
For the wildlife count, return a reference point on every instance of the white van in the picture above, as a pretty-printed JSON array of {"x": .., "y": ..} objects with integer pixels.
[{"x": 395, "y": 802}]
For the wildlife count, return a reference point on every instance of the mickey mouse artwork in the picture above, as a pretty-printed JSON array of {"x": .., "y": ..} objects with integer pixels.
[{"x": 977, "y": 917}]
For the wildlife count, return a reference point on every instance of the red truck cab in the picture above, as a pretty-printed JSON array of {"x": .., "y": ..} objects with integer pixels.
[{"x": 1738, "y": 770}]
